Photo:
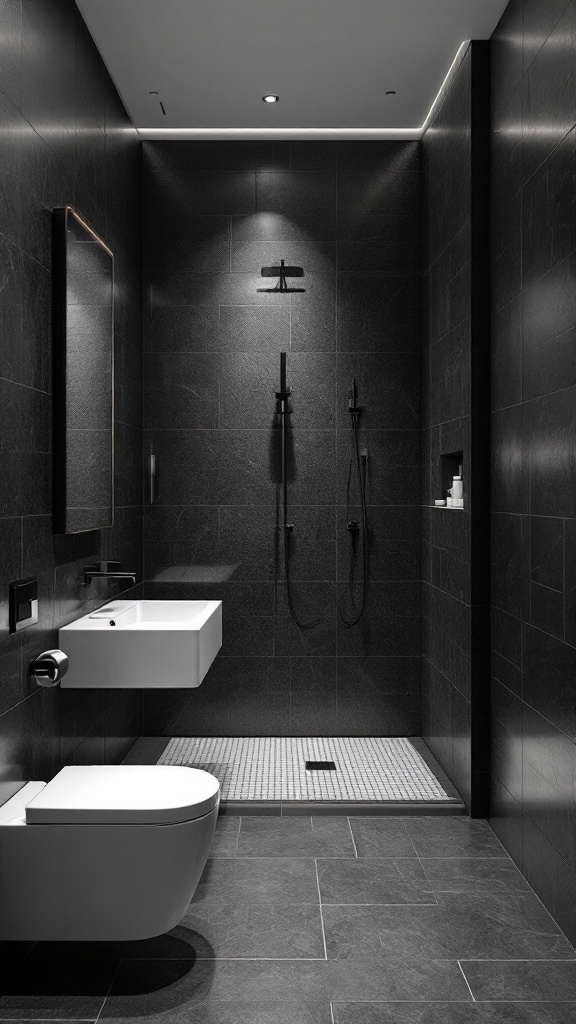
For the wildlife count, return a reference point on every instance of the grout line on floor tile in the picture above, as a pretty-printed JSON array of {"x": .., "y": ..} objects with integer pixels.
[
  {"x": 114, "y": 976},
  {"x": 320, "y": 905},
  {"x": 352, "y": 836},
  {"x": 256, "y": 959},
  {"x": 377, "y": 904},
  {"x": 466, "y": 980}
]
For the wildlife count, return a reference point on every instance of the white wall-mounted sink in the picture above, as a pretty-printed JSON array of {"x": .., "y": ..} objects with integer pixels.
[{"x": 142, "y": 644}]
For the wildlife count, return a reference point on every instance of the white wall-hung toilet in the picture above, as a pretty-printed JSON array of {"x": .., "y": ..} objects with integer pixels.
[{"x": 104, "y": 852}]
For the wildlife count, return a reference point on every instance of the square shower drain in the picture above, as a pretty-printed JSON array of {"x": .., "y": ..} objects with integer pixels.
[{"x": 320, "y": 766}]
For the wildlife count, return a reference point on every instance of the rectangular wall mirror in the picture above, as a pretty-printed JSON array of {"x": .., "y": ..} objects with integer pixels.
[{"x": 83, "y": 384}]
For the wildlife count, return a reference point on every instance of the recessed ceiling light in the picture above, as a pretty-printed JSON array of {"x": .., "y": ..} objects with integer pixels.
[{"x": 270, "y": 98}]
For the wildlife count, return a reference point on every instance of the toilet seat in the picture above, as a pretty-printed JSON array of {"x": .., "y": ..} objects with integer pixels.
[{"x": 124, "y": 795}]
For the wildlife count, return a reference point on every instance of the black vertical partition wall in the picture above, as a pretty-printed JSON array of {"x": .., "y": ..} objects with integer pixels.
[
  {"x": 455, "y": 429},
  {"x": 534, "y": 447},
  {"x": 349, "y": 214}
]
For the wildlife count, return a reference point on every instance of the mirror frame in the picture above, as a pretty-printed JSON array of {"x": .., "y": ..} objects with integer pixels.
[{"x": 60, "y": 218}]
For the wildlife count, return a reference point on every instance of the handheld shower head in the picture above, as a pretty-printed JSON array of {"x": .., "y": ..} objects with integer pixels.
[{"x": 353, "y": 407}]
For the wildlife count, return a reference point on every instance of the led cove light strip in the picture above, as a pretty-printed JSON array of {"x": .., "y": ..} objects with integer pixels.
[{"x": 312, "y": 133}]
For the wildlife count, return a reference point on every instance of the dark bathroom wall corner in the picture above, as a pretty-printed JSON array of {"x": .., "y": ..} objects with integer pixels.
[{"x": 66, "y": 139}]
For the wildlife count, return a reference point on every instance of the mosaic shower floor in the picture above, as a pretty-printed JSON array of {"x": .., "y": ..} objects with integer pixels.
[{"x": 375, "y": 771}]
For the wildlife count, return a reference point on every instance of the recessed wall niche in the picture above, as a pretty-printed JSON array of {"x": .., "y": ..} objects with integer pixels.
[{"x": 451, "y": 465}]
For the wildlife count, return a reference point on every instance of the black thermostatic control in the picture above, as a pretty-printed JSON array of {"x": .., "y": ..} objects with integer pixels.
[{"x": 23, "y": 603}]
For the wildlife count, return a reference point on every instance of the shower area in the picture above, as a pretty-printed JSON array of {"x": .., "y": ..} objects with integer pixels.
[{"x": 300, "y": 429}]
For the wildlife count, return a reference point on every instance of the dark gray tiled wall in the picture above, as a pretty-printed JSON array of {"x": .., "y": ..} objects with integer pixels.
[
  {"x": 534, "y": 468},
  {"x": 215, "y": 213},
  {"x": 66, "y": 139},
  {"x": 454, "y": 400}
]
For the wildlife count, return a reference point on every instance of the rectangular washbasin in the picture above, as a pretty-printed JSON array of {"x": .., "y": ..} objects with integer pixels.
[{"x": 142, "y": 644}]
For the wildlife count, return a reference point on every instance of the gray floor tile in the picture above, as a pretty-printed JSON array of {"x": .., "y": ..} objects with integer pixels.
[
  {"x": 270, "y": 1012},
  {"x": 295, "y": 837},
  {"x": 246, "y": 907},
  {"x": 373, "y": 881},
  {"x": 489, "y": 926},
  {"x": 225, "y": 840},
  {"x": 529, "y": 980},
  {"x": 381, "y": 837},
  {"x": 453, "y": 837},
  {"x": 454, "y": 1013},
  {"x": 37, "y": 1001},
  {"x": 217, "y": 993},
  {"x": 172, "y": 989},
  {"x": 473, "y": 874},
  {"x": 252, "y": 880},
  {"x": 255, "y": 931}
]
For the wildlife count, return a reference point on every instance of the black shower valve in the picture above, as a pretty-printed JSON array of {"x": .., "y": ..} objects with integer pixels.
[{"x": 353, "y": 525}]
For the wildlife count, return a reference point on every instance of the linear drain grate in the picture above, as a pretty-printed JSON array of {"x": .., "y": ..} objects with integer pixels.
[{"x": 320, "y": 766}]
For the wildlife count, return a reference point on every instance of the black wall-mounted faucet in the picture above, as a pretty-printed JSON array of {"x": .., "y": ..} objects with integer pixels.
[{"x": 106, "y": 571}]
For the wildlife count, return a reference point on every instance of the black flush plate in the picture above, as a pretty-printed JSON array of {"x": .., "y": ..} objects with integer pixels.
[
  {"x": 320, "y": 766},
  {"x": 23, "y": 603}
]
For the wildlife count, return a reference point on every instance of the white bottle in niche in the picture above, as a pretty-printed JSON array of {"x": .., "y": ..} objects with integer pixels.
[{"x": 457, "y": 487}]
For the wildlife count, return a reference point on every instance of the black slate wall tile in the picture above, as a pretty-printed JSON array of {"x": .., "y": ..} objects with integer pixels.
[
  {"x": 548, "y": 678},
  {"x": 300, "y": 206},
  {"x": 506, "y": 144},
  {"x": 550, "y": 875},
  {"x": 547, "y": 86},
  {"x": 548, "y": 233},
  {"x": 548, "y": 326},
  {"x": 548, "y": 782},
  {"x": 550, "y": 438},
  {"x": 508, "y": 359},
  {"x": 379, "y": 695},
  {"x": 510, "y": 564},
  {"x": 506, "y": 260},
  {"x": 510, "y": 461},
  {"x": 570, "y": 581},
  {"x": 377, "y": 312},
  {"x": 507, "y": 740},
  {"x": 211, "y": 372},
  {"x": 538, "y": 21}
]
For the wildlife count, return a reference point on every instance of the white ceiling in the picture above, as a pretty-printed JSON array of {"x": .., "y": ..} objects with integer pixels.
[{"x": 330, "y": 61}]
